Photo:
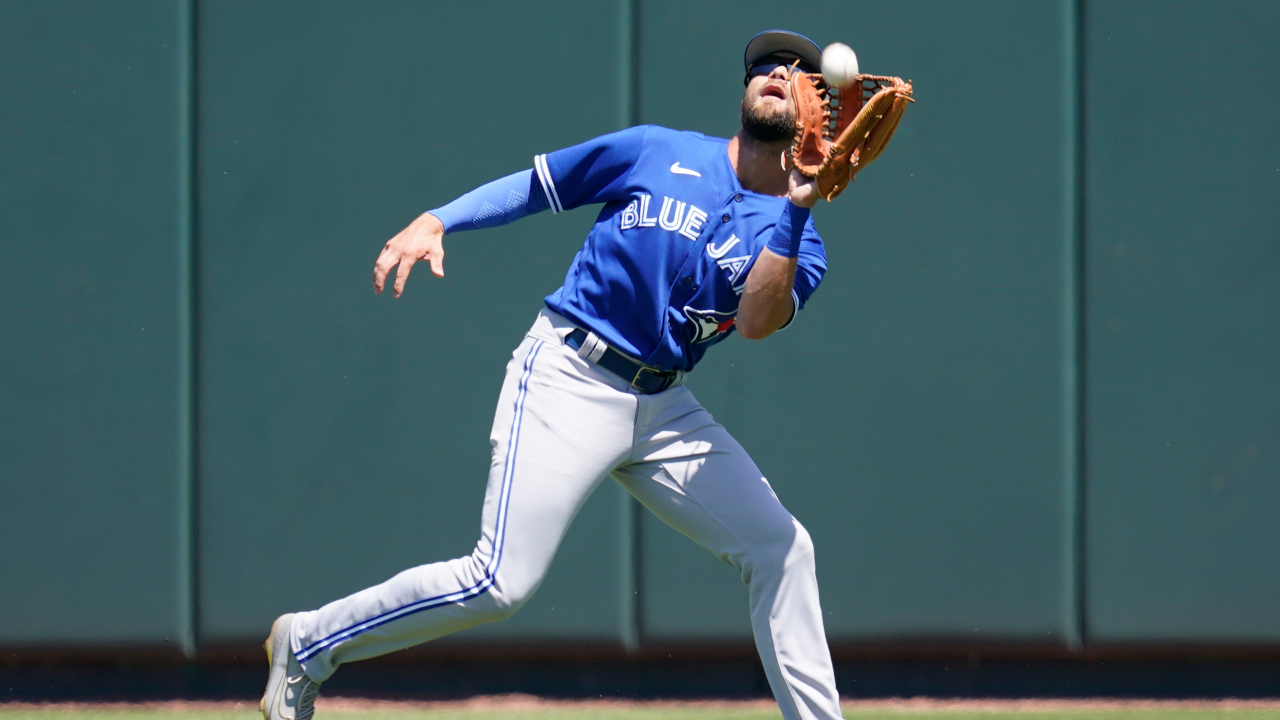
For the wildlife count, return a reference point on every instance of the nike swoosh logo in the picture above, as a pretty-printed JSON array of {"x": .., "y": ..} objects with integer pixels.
[{"x": 675, "y": 168}]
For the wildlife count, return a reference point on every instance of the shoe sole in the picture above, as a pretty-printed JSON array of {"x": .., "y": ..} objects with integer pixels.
[{"x": 262, "y": 704}]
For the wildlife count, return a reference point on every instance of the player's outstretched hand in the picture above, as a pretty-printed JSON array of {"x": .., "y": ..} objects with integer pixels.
[{"x": 422, "y": 240}]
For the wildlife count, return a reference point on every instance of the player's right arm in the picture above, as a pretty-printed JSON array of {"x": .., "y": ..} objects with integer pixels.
[
  {"x": 592, "y": 172},
  {"x": 422, "y": 240},
  {"x": 497, "y": 203}
]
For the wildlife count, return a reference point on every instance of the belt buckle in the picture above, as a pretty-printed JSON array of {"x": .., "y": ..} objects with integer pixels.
[{"x": 639, "y": 374}]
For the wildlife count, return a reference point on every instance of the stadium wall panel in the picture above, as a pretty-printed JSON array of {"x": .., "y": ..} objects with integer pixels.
[
  {"x": 915, "y": 418},
  {"x": 91, "y": 401},
  {"x": 921, "y": 418},
  {"x": 1183, "y": 322},
  {"x": 343, "y": 436}
]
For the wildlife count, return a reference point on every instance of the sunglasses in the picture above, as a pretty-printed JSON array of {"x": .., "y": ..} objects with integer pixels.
[{"x": 769, "y": 65}]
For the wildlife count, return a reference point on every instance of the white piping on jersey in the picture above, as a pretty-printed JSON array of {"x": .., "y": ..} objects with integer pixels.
[{"x": 548, "y": 185}]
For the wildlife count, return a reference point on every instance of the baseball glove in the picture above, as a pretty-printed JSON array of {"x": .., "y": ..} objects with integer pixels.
[{"x": 839, "y": 132}]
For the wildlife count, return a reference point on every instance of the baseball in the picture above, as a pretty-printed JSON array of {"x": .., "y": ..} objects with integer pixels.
[{"x": 839, "y": 65}]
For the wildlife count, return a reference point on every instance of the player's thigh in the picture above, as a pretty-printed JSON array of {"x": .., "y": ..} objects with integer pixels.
[
  {"x": 554, "y": 438},
  {"x": 716, "y": 495}
]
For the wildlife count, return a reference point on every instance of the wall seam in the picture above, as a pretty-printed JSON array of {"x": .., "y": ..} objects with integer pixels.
[
  {"x": 629, "y": 511},
  {"x": 188, "y": 594},
  {"x": 1080, "y": 346},
  {"x": 1076, "y": 313}
]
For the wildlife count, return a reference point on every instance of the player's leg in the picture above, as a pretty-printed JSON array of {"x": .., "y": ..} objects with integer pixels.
[
  {"x": 695, "y": 477},
  {"x": 556, "y": 433}
]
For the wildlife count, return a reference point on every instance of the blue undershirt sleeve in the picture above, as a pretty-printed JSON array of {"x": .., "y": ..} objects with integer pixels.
[{"x": 502, "y": 201}]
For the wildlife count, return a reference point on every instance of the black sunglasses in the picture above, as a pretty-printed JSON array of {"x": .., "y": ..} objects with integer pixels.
[{"x": 769, "y": 63}]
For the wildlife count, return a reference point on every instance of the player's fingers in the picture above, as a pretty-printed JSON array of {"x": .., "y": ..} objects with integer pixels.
[
  {"x": 437, "y": 262},
  {"x": 387, "y": 259},
  {"x": 402, "y": 275},
  {"x": 380, "y": 270}
]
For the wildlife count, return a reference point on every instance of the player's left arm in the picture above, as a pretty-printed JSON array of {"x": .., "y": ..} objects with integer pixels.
[{"x": 767, "y": 302}]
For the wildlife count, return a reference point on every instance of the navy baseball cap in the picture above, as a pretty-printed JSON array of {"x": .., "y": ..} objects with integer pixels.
[{"x": 784, "y": 44}]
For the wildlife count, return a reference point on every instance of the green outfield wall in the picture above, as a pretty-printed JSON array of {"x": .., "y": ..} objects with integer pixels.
[
  {"x": 1182, "y": 323},
  {"x": 92, "y": 508},
  {"x": 1036, "y": 401}
]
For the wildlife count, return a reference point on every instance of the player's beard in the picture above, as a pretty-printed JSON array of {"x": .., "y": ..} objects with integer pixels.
[{"x": 767, "y": 127}]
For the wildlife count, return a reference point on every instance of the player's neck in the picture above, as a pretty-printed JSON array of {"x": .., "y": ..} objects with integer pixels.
[{"x": 759, "y": 164}]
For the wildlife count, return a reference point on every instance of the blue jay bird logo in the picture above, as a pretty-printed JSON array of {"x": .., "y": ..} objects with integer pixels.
[{"x": 709, "y": 325}]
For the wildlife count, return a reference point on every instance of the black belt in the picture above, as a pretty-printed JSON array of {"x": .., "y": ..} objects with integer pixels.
[{"x": 641, "y": 377}]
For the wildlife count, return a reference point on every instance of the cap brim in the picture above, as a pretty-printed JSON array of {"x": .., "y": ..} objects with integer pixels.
[{"x": 784, "y": 41}]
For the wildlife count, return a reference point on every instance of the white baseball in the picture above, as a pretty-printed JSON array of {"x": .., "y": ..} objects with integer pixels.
[{"x": 839, "y": 65}]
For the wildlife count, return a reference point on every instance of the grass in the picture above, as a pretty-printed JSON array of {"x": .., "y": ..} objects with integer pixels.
[{"x": 531, "y": 709}]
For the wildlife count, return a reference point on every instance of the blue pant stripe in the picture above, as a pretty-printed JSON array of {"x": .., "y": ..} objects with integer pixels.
[
  {"x": 508, "y": 470},
  {"x": 495, "y": 558}
]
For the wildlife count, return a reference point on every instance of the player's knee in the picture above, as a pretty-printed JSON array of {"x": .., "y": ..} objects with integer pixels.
[
  {"x": 494, "y": 611},
  {"x": 787, "y": 552},
  {"x": 504, "y": 610},
  {"x": 802, "y": 548},
  {"x": 506, "y": 604}
]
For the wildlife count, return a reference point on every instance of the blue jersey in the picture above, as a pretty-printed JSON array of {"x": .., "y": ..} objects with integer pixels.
[{"x": 661, "y": 272}]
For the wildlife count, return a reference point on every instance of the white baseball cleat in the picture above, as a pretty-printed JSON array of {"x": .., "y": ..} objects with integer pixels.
[{"x": 290, "y": 695}]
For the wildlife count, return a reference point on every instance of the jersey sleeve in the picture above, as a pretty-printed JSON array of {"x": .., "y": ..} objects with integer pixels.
[
  {"x": 811, "y": 265},
  {"x": 593, "y": 172}
]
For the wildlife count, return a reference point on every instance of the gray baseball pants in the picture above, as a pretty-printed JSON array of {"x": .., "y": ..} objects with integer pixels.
[{"x": 561, "y": 426}]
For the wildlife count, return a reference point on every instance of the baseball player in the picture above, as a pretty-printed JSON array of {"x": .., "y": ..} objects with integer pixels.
[{"x": 698, "y": 237}]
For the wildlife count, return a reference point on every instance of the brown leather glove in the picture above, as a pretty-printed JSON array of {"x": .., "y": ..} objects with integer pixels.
[{"x": 839, "y": 132}]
